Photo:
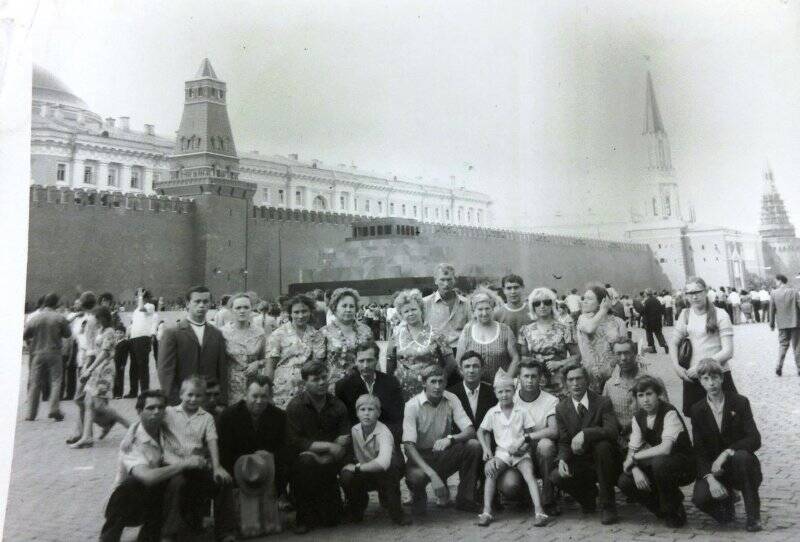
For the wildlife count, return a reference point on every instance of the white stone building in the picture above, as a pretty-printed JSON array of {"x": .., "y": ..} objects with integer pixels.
[{"x": 73, "y": 146}]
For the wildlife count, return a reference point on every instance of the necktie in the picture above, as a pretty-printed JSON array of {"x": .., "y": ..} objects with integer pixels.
[{"x": 582, "y": 412}]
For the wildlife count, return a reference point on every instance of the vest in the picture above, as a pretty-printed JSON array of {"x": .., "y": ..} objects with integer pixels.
[{"x": 653, "y": 436}]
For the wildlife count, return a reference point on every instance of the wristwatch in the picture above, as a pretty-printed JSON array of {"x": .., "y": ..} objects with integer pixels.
[
  {"x": 357, "y": 468},
  {"x": 451, "y": 438}
]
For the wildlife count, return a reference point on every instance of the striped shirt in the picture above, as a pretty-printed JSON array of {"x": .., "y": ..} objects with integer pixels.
[{"x": 187, "y": 434}]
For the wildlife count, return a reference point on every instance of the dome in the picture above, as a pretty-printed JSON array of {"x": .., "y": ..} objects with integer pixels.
[{"x": 49, "y": 89}]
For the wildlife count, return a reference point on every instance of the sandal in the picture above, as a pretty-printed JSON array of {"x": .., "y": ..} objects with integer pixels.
[
  {"x": 540, "y": 520},
  {"x": 485, "y": 519}
]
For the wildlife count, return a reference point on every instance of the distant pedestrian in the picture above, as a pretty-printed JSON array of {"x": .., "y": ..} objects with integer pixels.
[
  {"x": 653, "y": 319},
  {"x": 784, "y": 314}
]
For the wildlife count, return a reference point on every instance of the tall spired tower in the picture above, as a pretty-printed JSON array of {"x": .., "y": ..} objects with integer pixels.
[
  {"x": 774, "y": 219},
  {"x": 205, "y": 167},
  {"x": 656, "y": 198}
]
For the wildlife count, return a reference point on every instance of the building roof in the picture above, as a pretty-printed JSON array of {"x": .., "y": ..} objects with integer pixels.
[
  {"x": 652, "y": 116},
  {"x": 50, "y": 89},
  {"x": 206, "y": 71}
]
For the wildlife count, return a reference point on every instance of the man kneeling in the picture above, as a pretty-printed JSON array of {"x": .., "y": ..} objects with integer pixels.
[
  {"x": 138, "y": 498},
  {"x": 660, "y": 458},
  {"x": 378, "y": 464},
  {"x": 510, "y": 426},
  {"x": 725, "y": 440},
  {"x": 433, "y": 453}
]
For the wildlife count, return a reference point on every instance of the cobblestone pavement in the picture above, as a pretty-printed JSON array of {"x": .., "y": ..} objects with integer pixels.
[{"x": 58, "y": 494}]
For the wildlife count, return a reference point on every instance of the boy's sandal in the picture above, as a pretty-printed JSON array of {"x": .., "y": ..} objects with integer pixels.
[
  {"x": 540, "y": 520},
  {"x": 485, "y": 519}
]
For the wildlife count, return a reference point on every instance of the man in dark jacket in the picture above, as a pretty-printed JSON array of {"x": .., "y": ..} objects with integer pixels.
[
  {"x": 587, "y": 446},
  {"x": 653, "y": 318},
  {"x": 476, "y": 397},
  {"x": 367, "y": 379},
  {"x": 725, "y": 441},
  {"x": 251, "y": 425},
  {"x": 193, "y": 347}
]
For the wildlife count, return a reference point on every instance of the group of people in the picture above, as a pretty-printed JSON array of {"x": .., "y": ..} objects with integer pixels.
[{"x": 513, "y": 394}]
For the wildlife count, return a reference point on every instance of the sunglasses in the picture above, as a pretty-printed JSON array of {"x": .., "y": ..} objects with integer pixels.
[
  {"x": 545, "y": 302},
  {"x": 696, "y": 292}
]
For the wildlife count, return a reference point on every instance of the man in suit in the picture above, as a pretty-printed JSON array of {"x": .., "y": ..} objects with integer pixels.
[
  {"x": 476, "y": 397},
  {"x": 725, "y": 441},
  {"x": 653, "y": 319},
  {"x": 249, "y": 426},
  {"x": 587, "y": 446},
  {"x": 193, "y": 347},
  {"x": 784, "y": 314},
  {"x": 369, "y": 380}
]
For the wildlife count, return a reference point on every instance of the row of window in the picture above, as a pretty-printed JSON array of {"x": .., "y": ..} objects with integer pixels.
[
  {"x": 667, "y": 207},
  {"x": 319, "y": 204},
  {"x": 114, "y": 176},
  {"x": 372, "y": 231},
  {"x": 201, "y": 93}
]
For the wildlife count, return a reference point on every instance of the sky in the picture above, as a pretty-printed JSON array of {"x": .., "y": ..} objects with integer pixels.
[{"x": 544, "y": 100}]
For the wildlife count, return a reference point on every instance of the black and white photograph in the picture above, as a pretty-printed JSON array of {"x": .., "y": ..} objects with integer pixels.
[{"x": 364, "y": 270}]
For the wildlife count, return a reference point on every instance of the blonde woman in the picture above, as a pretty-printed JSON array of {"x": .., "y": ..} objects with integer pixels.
[
  {"x": 493, "y": 340},
  {"x": 414, "y": 345},
  {"x": 547, "y": 340},
  {"x": 245, "y": 343}
]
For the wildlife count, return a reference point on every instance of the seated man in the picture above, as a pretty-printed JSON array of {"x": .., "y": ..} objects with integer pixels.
[
  {"x": 212, "y": 404},
  {"x": 433, "y": 452},
  {"x": 378, "y": 464},
  {"x": 367, "y": 379},
  {"x": 619, "y": 388},
  {"x": 142, "y": 477},
  {"x": 660, "y": 458},
  {"x": 249, "y": 426},
  {"x": 542, "y": 408},
  {"x": 476, "y": 397},
  {"x": 317, "y": 432},
  {"x": 191, "y": 432},
  {"x": 725, "y": 440},
  {"x": 509, "y": 425},
  {"x": 587, "y": 446}
]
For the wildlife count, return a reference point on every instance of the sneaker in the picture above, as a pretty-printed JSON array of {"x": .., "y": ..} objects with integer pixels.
[{"x": 541, "y": 520}]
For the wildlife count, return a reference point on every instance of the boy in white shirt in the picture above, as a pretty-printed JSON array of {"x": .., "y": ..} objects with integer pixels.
[{"x": 510, "y": 425}]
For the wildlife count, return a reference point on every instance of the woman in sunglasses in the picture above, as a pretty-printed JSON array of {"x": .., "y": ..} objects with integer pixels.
[
  {"x": 547, "y": 340},
  {"x": 710, "y": 331},
  {"x": 598, "y": 328}
]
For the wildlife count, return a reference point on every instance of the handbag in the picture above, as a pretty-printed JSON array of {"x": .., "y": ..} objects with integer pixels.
[{"x": 685, "y": 346}]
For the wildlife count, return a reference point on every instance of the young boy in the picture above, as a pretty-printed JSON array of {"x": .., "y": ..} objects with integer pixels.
[
  {"x": 191, "y": 431},
  {"x": 510, "y": 424},
  {"x": 377, "y": 465}
]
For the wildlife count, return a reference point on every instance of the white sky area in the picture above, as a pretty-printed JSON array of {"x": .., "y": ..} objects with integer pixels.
[{"x": 545, "y": 100}]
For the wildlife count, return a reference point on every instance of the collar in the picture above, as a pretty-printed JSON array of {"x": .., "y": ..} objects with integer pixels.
[
  {"x": 180, "y": 409},
  {"x": 193, "y": 323},
  {"x": 144, "y": 437},
  {"x": 423, "y": 398},
  {"x": 510, "y": 309},
  {"x": 477, "y": 389},
  {"x": 374, "y": 379},
  {"x": 721, "y": 406},
  {"x": 584, "y": 401},
  {"x": 438, "y": 297}
]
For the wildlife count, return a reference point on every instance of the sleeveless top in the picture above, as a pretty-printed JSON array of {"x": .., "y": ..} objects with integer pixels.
[{"x": 653, "y": 436}]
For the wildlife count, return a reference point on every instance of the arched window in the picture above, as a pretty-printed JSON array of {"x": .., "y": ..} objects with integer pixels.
[
  {"x": 667, "y": 206},
  {"x": 655, "y": 207},
  {"x": 319, "y": 204}
]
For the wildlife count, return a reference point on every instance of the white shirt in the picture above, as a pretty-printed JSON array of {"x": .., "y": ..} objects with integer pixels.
[
  {"x": 199, "y": 330},
  {"x": 734, "y": 298},
  {"x": 670, "y": 432},
  {"x": 764, "y": 296},
  {"x": 712, "y": 295},
  {"x": 509, "y": 432},
  {"x": 573, "y": 302},
  {"x": 703, "y": 344},
  {"x": 584, "y": 401},
  {"x": 717, "y": 411},
  {"x": 472, "y": 397},
  {"x": 540, "y": 408},
  {"x": 668, "y": 301},
  {"x": 144, "y": 322}
]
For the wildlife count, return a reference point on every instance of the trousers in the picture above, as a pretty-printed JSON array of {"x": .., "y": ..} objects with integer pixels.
[
  {"x": 741, "y": 471},
  {"x": 44, "y": 366},
  {"x": 131, "y": 504},
  {"x": 139, "y": 370},
  {"x": 357, "y": 485},
  {"x": 666, "y": 475},
  {"x": 461, "y": 457},
  {"x": 600, "y": 466},
  {"x": 315, "y": 488}
]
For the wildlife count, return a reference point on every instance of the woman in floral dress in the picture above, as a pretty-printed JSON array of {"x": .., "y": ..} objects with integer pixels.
[
  {"x": 597, "y": 329},
  {"x": 245, "y": 343},
  {"x": 98, "y": 379},
  {"x": 414, "y": 345},
  {"x": 289, "y": 346},
  {"x": 341, "y": 337},
  {"x": 494, "y": 341},
  {"x": 547, "y": 340}
]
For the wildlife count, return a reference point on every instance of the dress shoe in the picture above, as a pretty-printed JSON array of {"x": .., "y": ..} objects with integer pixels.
[
  {"x": 468, "y": 506},
  {"x": 753, "y": 526},
  {"x": 57, "y": 416},
  {"x": 130, "y": 396},
  {"x": 779, "y": 371},
  {"x": 608, "y": 516}
]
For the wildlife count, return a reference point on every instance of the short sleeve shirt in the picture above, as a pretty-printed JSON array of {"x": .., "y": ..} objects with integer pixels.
[
  {"x": 704, "y": 345},
  {"x": 539, "y": 409},
  {"x": 187, "y": 434},
  {"x": 509, "y": 431},
  {"x": 138, "y": 448},
  {"x": 670, "y": 432},
  {"x": 424, "y": 423}
]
